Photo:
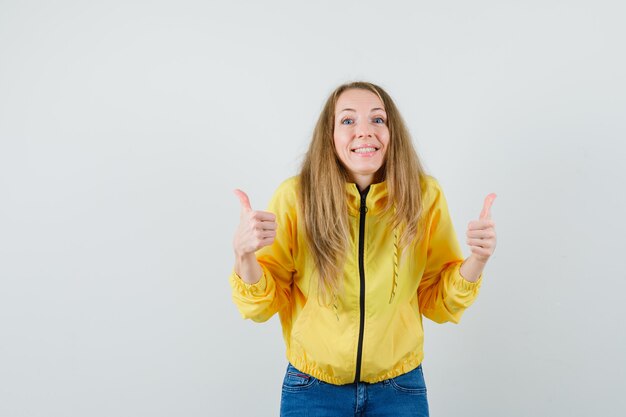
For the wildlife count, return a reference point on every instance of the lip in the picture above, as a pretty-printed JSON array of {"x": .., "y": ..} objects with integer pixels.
[
  {"x": 376, "y": 148},
  {"x": 367, "y": 154}
]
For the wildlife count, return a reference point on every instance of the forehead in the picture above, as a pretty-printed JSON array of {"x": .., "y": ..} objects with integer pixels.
[{"x": 358, "y": 99}]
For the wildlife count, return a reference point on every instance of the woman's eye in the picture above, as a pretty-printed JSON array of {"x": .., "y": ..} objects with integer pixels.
[
  {"x": 379, "y": 120},
  {"x": 347, "y": 121}
]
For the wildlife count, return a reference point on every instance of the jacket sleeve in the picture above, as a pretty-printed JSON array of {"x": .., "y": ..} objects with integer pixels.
[
  {"x": 262, "y": 300},
  {"x": 443, "y": 293}
]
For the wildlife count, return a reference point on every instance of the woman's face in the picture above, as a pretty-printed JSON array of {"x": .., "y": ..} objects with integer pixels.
[{"x": 361, "y": 134}]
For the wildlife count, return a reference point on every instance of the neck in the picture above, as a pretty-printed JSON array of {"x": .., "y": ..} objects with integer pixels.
[{"x": 363, "y": 181}]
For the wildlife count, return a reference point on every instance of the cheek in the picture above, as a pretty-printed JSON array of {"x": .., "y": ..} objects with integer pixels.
[
  {"x": 384, "y": 138},
  {"x": 339, "y": 149},
  {"x": 336, "y": 143},
  {"x": 340, "y": 142}
]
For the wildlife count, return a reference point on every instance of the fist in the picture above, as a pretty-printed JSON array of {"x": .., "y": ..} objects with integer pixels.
[
  {"x": 256, "y": 228},
  {"x": 481, "y": 233}
]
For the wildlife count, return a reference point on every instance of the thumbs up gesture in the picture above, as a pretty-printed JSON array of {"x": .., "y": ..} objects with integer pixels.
[
  {"x": 481, "y": 233},
  {"x": 256, "y": 228}
]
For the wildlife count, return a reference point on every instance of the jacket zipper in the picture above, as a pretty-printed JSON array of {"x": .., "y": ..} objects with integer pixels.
[{"x": 359, "y": 353}]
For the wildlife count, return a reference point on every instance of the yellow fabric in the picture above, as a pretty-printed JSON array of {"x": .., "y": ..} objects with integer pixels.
[{"x": 322, "y": 341}]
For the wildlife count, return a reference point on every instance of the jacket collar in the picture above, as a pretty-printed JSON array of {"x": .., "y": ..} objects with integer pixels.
[{"x": 376, "y": 198}]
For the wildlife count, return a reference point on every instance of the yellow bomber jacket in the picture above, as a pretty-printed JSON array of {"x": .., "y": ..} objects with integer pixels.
[{"x": 374, "y": 329}]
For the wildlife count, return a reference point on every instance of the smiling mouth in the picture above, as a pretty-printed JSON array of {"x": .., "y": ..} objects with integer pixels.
[{"x": 365, "y": 150}]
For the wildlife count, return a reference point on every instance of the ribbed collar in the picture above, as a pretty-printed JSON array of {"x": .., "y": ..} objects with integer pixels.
[{"x": 376, "y": 198}]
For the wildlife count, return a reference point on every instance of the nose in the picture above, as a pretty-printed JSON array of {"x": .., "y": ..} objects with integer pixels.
[{"x": 363, "y": 131}]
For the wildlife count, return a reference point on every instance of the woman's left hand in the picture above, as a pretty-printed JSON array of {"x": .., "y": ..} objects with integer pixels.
[{"x": 481, "y": 233}]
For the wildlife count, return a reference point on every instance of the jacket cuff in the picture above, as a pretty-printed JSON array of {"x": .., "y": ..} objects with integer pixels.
[
  {"x": 242, "y": 287},
  {"x": 464, "y": 285}
]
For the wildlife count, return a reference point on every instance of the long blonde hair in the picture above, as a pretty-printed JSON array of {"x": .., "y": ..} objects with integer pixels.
[{"x": 323, "y": 198}]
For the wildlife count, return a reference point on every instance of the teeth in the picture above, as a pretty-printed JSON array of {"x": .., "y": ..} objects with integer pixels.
[{"x": 365, "y": 150}]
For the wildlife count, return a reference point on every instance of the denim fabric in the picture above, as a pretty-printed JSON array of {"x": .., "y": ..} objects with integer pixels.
[{"x": 306, "y": 396}]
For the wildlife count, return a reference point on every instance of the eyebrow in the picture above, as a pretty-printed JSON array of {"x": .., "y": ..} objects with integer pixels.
[{"x": 373, "y": 110}]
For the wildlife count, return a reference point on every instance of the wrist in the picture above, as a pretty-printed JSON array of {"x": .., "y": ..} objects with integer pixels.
[
  {"x": 248, "y": 268},
  {"x": 477, "y": 259},
  {"x": 241, "y": 258},
  {"x": 472, "y": 268}
]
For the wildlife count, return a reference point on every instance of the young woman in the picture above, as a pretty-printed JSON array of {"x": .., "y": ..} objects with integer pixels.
[{"x": 351, "y": 254}]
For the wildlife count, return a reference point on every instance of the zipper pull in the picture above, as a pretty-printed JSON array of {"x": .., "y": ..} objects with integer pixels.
[
  {"x": 364, "y": 198},
  {"x": 363, "y": 205}
]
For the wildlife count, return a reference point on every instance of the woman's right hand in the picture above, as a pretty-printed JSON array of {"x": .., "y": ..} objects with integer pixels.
[{"x": 256, "y": 228}]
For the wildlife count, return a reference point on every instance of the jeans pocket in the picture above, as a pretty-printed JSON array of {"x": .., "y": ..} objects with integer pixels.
[
  {"x": 295, "y": 380},
  {"x": 410, "y": 383}
]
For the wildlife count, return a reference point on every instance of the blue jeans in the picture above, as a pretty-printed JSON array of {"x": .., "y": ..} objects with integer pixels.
[{"x": 304, "y": 396}]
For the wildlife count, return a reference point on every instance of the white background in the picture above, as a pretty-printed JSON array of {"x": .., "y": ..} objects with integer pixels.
[{"x": 125, "y": 125}]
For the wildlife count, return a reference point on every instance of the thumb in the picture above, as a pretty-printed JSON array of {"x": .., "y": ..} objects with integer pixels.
[
  {"x": 486, "y": 213},
  {"x": 243, "y": 199}
]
